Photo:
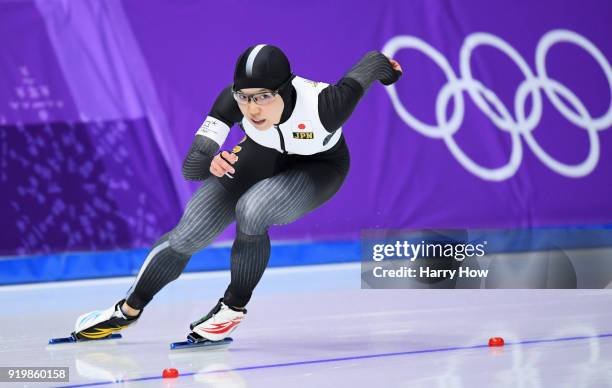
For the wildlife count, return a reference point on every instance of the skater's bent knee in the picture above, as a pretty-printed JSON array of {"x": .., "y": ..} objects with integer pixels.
[
  {"x": 251, "y": 219},
  {"x": 186, "y": 243}
]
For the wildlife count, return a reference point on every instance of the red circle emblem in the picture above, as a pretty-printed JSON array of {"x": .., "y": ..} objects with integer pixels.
[{"x": 302, "y": 126}]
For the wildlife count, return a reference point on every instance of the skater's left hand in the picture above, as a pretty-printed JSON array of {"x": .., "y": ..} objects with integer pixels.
[
  {"x": 397, "y": 72},
  {"x": 395, "y": 65}
]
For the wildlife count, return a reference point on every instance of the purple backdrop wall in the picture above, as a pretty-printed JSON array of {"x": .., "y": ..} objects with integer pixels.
[{"x": 102, "y": 99}]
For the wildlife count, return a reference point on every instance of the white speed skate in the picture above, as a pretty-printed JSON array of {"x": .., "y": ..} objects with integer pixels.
[
  {"x": 214, "y": 329},
  {"x": 219, "y": 323}
]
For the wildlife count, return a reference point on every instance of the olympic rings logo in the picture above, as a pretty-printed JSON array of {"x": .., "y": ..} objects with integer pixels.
[{"x": 516, "y": 123}]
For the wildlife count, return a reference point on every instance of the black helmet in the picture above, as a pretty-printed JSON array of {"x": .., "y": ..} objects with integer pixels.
[{"x": 262, "y": 66}]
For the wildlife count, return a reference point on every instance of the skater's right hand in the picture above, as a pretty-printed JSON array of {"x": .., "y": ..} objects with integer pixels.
[{"x": 222, "y": 164}]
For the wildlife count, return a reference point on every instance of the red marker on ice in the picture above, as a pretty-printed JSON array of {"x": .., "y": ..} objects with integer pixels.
[
  {"x": 170, "y": 373},
  {"x": 496, "y": 341}
]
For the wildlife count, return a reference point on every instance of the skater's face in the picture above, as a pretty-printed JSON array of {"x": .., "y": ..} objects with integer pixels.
[{"x": 265, "y": 112}]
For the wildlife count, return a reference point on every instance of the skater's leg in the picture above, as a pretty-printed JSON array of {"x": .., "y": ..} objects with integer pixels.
[
  {"x": 277, "y": 200},
  {"x": 162, "y": 265},
  {"x": 274, "y": 201},
  {"x": 208, "y": 213}
]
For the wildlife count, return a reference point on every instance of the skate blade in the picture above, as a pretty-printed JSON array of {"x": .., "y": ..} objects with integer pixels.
[
  {"x": 71, "y": 339},
  {"x": 222, "y": 344}
]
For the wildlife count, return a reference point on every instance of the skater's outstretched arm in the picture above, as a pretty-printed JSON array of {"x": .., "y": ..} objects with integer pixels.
[
  {"x": 211, "y": 136},
  {"x": 337, "y": 102}
]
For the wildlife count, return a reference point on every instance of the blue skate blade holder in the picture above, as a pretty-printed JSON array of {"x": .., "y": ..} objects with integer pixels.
[
  {"x": 71, "y": 339},
  {"x": 201, "y": 344}
]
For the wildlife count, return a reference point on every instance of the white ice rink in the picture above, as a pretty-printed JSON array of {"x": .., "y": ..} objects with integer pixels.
[{"x": 314, "y": 327}]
